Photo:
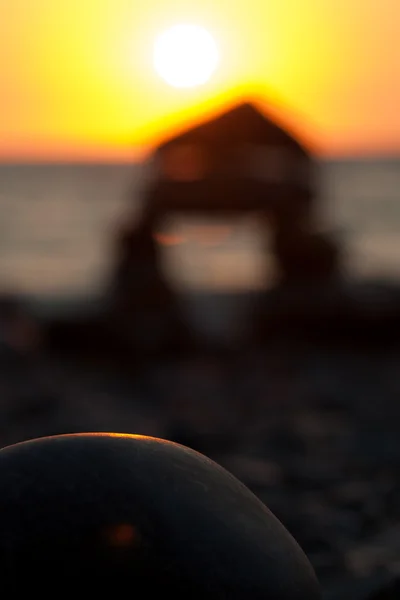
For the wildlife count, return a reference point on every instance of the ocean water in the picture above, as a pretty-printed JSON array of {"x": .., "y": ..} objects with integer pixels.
[{"x": 57, "y": 222}]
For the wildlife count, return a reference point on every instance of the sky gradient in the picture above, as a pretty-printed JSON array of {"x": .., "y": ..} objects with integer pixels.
[{"x": 77, "y": 81}]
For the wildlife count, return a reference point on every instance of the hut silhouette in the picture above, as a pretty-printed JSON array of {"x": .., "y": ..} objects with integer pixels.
[{"x": 237, "y": 163}]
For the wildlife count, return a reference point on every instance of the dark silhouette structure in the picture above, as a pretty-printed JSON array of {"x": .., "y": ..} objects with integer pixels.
[{"x": 237, "y": 163}]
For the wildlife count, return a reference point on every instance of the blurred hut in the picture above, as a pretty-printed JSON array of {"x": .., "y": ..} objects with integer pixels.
[{"x": 237, "y": 163}]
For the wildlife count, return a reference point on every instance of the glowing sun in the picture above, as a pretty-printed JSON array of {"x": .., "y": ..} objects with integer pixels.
[{"x": 185, "y": 56}]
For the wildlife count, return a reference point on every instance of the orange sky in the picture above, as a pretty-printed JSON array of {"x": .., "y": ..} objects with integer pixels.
[{"x": 76, "y": 76}]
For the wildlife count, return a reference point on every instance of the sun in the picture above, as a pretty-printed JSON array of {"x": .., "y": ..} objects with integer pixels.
[{"x": 185, "y": 56}]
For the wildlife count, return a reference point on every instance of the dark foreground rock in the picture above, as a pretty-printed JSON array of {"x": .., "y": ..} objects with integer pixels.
[{"x": 100, "y": 513}]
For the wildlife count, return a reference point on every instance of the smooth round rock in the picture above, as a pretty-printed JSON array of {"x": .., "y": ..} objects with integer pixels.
[{"x": 110, "y": 513}]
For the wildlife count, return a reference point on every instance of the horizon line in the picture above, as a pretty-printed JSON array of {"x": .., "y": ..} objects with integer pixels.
[{"x": 135, "y": 159}]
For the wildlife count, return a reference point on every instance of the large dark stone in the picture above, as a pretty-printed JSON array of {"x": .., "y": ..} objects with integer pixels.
[{"x": 108, "y": 513}]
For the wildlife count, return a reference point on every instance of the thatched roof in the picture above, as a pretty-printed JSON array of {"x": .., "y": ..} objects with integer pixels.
[{"x": 243, "y": 124}]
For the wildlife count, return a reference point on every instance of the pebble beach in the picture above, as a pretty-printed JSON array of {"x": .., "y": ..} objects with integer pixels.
[{"x": 312, "y": 431}]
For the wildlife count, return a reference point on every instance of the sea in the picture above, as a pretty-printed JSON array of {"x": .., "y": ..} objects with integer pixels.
[{"x": 58, "y": 222}]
